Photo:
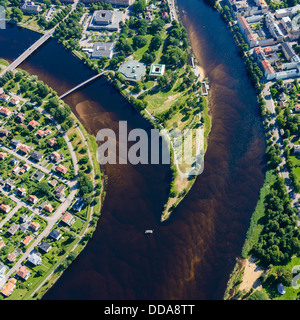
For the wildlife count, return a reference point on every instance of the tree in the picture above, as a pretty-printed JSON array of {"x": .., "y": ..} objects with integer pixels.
[
  {"x": 17, "y": 14},
  {"x": 139, "y": 6},
  {"x": 156, "y": 42},
  {"x": 139, "y": 41}
]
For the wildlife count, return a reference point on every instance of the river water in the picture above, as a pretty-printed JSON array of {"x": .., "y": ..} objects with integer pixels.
[{"x": 191, "y": 255}]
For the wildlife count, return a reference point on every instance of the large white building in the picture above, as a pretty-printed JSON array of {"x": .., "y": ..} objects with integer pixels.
[{"x": 124, "y": 3}]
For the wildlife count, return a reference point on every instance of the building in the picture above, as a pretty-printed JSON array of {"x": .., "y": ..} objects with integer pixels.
[
  {"x": 78, "y": 205},
  {"x": 52, "y": 142},
  {"x": 33, "y": 199},
  {"x": 67, "y": 218},
  {"x": 20, "y": 117},
  {"x": 9, "y": 185},
  {"x": 103, "y": 49},
  {"x": 5, "y": 112},
  {"x": 3, "y": 155},
  {"x": 37, "y": 176},
  {"x": 62, "y": 169},
  {"x": 288, "y": 51},
  {"x": 133, "y": 70},
  {"x": 249, "y": 36},
  {"x": 21, "y": 192},
  {"x": 296, "y": 148},
  {"x": 4, "y": 97},
  {"x": 27, "y": 240},
  {"x": 9, "y": 287},
  {"x": 24, "y": 148},
  {"x": 23, "y": 273},
  {"x": 48, "y": 208},
  {"x": 44, "y": 246},
  {"x": 157, "y": 70},
  {"x": 15, "y": 143},
  {"x": 32, "y": 124},
  {"x": 268, "y": 70},
  {"x": 34, "y": 259},
  {"x": 55, "y": 156},
  {"x": 54, "y": 234},
  {"x": 105, "y": 20},
  {"x": 13, "y": 229},
  {"x": 5, "y": 208},
  {"x": 36, "y": 156},
  {"x": 34, "y": 226},
  {"x": 29, "y": 7},
  {"x": 14, "y": 101}
]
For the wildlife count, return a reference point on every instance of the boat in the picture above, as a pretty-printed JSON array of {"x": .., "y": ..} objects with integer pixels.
[{"x": 148, "y": 231}]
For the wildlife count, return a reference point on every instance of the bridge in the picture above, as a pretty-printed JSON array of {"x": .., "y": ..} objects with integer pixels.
[
  {"x": 28, "y": 52},
  {"x": 81, "y": 85}
]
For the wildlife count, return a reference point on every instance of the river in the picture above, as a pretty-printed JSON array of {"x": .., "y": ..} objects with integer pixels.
[{"x": 191, "y": 255}]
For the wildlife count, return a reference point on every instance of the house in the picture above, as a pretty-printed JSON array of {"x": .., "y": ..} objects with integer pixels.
[
  {"x": 34, "y": 259},
  {"x": 14, "y": 101},
  {"x": 2, "y": 243},
  {"x": 54, "y": 234},
  {"x": 40, "y": 133},
  {"x": 296, "y": 148},
  {"x": 24, "y": 218},
  {"x": 25, "y": 168},
  {"x": 16, "y": 169},
  {"x": 55, "y": 156},
  {"x": 281, "y": 104},
  {"x": 59, "y": 191},
  {"x": 48, "y": 208},
  {"x": 21, "y": 192},
  {"x": 165, "y": 15},
  {"x": 9, "y": 287},
  {"x": 15, "y": 143},
  {"x": 78, "y": 205},
  {"x": 13, "y": 229},
  {"x": 282, "y": 96},
  {"x": 44, "y": 246},
  {"x": 52, "y": 142},
  {"x": 297, "y": 108},
  {"x": 33, "y": 199},
  {"x": 14, "y": 161},
  {"x": 4, "y": 132},
  {"x": 27, "y": 240},
  {"x": 23, "y": 273},
  {"x": 36, "y": 156},
  {"x": 5, "y": 112},
  {"x": 24, "y": 148},
  {"x": 4, "y": 97},
  {"x": 37, "y": 176},
  {"x": 5, "y": 208},
  {"x": 3, "y": 155},
  {"x": 62, "y": 169},
  {"x": 20, "y": 117},
  {"x": 67, "y": 218},
  {"x": 34, "y": 226},
  {"x": 12, "y": 257},
  {"x": 9, "y": 185},
  {"x": 52, "y": 183},
  {"x": 32, "y": 124}
]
